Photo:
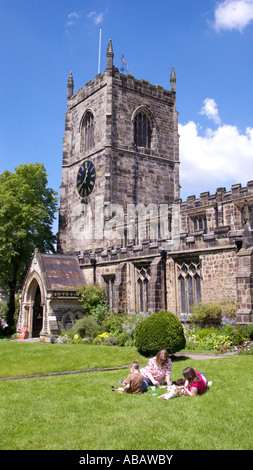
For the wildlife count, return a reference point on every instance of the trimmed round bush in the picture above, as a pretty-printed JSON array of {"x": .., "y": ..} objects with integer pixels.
[
  {"x": 161, "y": 330},
  {"x": 86, "y": 327}
]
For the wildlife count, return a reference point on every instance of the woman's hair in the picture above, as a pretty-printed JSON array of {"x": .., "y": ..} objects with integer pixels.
[
  {"x": 190, "y": 374},
  {"x": 162, "y": 357}
]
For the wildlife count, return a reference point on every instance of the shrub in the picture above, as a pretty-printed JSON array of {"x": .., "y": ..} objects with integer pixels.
[
  {"x": 86, "y": 327},
  {"x": 203, "y": 333},
  {"x": 224, "y": 337},
  {"x": 66, "y": 336},
  {"x": 3, "y": 316},
  {"x": 97, "y": 341},
  {"x": 113, "y": 323},
  {"x": 212, "y": 313},
  {"x": 234, "y": 334},
  {"x": 246, "y": 331},
  {"x": 110, "y": 341},
  {"x": 229, "y": 308},
  {"x": 90, "y": 297},
  {"x": 3, "y": 309},
  {"x": 101, "y": 311},
  {"x": 122, "y": 338},
  {"x": 161, "y": 330},
  {"x": 131, "y": 321}
]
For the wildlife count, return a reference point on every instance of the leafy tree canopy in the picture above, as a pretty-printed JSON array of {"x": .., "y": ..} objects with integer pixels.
[
  {"x": 90, "y": 297},
  {"x": 27, "y": 212}
]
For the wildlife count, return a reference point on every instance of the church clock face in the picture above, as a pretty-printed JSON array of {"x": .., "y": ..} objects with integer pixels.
[{"x": 86, "y": 178}]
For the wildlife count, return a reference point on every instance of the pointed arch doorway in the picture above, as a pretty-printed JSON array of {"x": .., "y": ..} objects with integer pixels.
[
  {"x": 37, "y": 320},
  {"x": 33, "y": 306}
]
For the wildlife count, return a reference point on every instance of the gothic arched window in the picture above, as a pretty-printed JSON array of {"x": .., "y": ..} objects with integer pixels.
[
  {"x": 143, "y": 273},
  {"x": 87, "y": 131},
  {"x": 142, "y": 130},
  {"x": 109, "y": 288},
  {"x": 189, "y": 284}
]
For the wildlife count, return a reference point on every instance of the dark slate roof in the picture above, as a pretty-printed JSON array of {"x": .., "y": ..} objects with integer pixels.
[{"x": 62, "y": 271}]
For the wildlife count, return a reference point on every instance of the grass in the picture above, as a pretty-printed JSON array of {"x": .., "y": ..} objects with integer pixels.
[
  {"x": 75, "y": 412},
  {"x": 35, "y": 358}
]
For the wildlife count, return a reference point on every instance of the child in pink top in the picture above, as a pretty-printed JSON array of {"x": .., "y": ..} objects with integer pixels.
[{"x": 195, "y": 382}]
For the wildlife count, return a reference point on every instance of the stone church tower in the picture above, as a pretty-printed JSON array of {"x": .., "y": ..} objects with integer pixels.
[{"x": 120, "y": 150}]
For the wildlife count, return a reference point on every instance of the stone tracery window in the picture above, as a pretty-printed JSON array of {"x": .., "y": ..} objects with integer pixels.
[
  {"x": 189, "y": 284},
  {"x": 143, "y": 287},
  {"x": 142, "y": 130}
]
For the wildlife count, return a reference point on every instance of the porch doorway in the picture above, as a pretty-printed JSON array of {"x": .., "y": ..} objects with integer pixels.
[{"x": 37, "y": 315}]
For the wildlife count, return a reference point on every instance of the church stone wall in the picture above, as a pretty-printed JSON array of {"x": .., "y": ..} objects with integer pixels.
[{"x": 218, "y": 276}]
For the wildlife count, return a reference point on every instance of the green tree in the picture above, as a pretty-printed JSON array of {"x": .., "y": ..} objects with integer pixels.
[
  {"x": 27, "y": 212},
  {"x": 91, "y": 296}
]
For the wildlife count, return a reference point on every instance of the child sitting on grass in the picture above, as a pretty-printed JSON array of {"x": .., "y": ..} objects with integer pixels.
[
  {"x": 133, "y": 382},
  {"x": 195, "y": 382}
]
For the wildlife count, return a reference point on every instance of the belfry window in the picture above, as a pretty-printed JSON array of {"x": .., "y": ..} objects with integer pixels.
[
  {"x": 199, "y": 223},
  {"x": 142, "y": 130},
  {"x": 87, "y": 132}
]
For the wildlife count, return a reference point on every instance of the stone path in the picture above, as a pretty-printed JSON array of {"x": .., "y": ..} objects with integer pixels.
[{"x": 197, "y": 356}]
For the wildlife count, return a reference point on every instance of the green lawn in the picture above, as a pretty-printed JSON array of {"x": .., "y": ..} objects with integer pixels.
[
  {"x": 76, "y": 412},
  {"x": 18, "y": 358}
]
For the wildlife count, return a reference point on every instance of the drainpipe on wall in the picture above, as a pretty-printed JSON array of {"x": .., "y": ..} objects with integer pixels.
[
  {"x": 164, "y": 259},
  {"x": 94, "y": 262}
]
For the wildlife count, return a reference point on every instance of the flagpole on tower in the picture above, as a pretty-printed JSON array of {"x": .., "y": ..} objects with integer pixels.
[{"x": 99, "y": 48}]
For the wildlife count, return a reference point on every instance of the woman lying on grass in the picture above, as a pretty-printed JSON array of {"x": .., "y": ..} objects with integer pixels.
[{"x": 195, "y": 382}]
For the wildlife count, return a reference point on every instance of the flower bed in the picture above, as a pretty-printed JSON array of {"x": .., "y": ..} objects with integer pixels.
[{"x": 226, "y": 337}]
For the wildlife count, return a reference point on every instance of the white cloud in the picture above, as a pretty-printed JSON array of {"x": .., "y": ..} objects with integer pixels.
[
  {"x": 97, "y": 18},
  {"x": 71, "y": 18},
  {"x": 210, "y": 110},
  {"x": 233, "y": 14},
  {"x": 217, "y": 158}
]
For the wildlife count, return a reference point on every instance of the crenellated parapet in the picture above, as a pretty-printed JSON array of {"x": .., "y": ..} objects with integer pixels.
[
  {"x": 236, "y": 194},
  {"x": 221, "y": 212},
  {"x": 144, "y": 87},
  {"x": 82, "y": 93}
]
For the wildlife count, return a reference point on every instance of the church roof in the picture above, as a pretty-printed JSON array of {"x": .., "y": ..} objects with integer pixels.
[{"x": 62, "y": 271}]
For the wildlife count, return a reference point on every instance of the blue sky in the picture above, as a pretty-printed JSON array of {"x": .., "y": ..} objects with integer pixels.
[{"x": 209, "y": 43}]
